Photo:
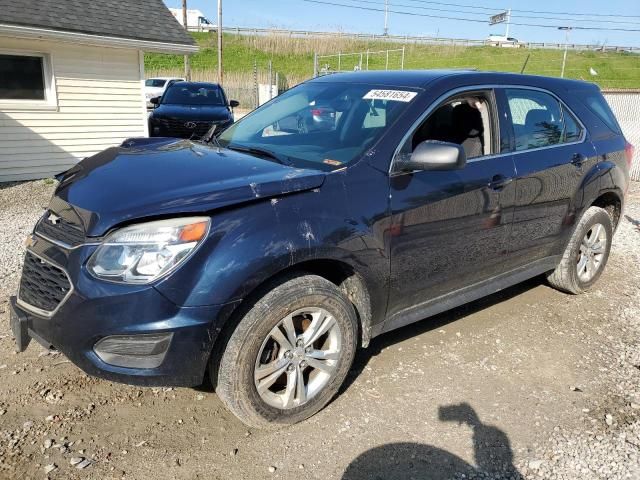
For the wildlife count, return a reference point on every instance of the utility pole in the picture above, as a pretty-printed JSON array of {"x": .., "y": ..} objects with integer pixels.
[
  {"x": 566, "y": 47},
  {"x": 187, "y": 60},
  {"x": 506, "y": 34},
  {"x": 386, "y": 17},
  {"x": 220, "y": 42}
]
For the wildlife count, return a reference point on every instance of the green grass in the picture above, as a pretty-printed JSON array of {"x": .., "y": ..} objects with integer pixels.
[{"x": 293, "y": 58}]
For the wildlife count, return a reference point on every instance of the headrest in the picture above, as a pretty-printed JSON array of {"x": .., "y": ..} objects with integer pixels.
[
  {"x": 442, "y": 114},
  {"x": 537, "y": 117},
  {"x": 467, "y": 119}
]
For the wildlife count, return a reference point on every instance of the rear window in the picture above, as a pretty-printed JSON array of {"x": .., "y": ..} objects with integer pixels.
[{"x": 598, "y": 105}]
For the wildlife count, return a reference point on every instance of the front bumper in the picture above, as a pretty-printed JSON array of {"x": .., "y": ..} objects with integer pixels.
[{"x": 95, "y": 310}]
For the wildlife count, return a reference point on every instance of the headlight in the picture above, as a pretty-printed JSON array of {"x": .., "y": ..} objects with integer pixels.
[{"x": 145, "y": 252}]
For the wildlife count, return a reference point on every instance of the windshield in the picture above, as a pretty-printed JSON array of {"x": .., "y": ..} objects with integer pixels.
[
  {"x": 155, "y": 82},
  {"x": 320, "y": 125},
  {"x": 185, "y": 94}
]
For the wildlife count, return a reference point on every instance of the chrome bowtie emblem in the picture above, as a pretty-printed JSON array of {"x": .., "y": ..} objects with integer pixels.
[
  {"x": 53, "y": 218},
  {"x": 190, "y": 124}
]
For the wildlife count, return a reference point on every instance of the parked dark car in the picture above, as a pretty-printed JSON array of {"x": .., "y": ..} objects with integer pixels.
[
  {"x": 267, "y": 257},
  {"x": 189, "y": 110}
]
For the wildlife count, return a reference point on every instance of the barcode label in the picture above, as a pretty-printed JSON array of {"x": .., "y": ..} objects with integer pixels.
[{"x": 395, "y": 95}]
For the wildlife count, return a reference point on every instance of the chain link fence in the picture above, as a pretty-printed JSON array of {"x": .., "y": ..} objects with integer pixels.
[
  {"x": 625, "y": 106},
  {"x": 390, "y": 59}
]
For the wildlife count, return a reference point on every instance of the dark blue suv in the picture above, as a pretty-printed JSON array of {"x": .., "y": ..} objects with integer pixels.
[{"x": 266, "y": 255}]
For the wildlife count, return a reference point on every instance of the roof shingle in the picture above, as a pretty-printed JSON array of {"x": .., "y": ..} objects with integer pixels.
[{"x": 135, "y": 19}]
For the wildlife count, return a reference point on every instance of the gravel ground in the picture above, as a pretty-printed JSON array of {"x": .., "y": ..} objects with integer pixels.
[{"x": 528, "y": 383}]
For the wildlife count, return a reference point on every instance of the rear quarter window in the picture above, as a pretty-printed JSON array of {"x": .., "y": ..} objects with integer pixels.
[{"x": 599, "y": 106}]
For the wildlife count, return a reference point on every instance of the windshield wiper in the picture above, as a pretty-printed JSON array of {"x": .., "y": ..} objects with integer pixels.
[{"x": 260, "y": 152}]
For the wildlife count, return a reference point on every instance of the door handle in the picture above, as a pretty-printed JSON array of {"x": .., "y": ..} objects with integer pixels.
[
  {"x": 498, "y": 182},
  {"x": 578, "y": 159}
]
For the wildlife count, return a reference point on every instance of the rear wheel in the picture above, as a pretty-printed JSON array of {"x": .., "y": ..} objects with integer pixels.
[
  {"x": 586, "y": 254},
  {"x": 289, "y": 354}
]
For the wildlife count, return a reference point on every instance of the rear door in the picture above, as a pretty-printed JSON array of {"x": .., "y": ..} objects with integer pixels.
[{"x": 551, "y": 154}]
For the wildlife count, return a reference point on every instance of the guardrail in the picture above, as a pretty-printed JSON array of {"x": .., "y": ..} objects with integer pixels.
[{"x": 417, "y": 39}]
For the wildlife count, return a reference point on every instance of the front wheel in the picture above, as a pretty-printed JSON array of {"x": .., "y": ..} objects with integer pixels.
[
  {"x": 586, "y": 254},
  {"x": 289, "y": 353}
]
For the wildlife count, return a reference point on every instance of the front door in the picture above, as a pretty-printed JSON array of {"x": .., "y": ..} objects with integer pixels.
[{"x": 450, "y": 229}]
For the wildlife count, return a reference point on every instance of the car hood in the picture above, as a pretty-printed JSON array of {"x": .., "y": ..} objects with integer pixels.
[
  {"x": 156, "y": 177},
  {"x": 192, "y": 112}
]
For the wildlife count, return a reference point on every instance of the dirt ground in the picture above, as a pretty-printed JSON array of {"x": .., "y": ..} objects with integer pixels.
[{"x": 529, "y": 382}]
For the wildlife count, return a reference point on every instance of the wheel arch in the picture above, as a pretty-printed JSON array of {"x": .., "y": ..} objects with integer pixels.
[
  {"x": 611, "y": 202},
  {"x": 338, "y": 272}
]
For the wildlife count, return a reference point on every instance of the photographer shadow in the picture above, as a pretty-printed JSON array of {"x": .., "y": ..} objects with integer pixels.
[{"x": 492, "y": 454}]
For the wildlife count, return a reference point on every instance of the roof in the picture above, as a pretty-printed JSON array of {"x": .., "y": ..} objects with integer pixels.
[
  {"x": 398, "y": 78},
  {"x": 421, "y": 78},
  {"x": 202, "y": 84},
  {"x": 147, "y": 20}
]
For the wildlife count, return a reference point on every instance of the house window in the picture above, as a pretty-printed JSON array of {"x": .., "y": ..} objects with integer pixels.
[{"x": 26, "y": 80}]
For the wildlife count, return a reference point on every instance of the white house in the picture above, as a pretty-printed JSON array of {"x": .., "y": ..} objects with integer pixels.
[
  {"x": 72, "y": 78},
  {"x": 196, "y": 20}
]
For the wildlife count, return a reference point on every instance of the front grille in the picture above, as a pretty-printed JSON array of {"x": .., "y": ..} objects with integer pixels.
[
  {"x": 62, "y": 231},
  {"x": 175, "y": 127},
  {"x": 42, "y": 285}
]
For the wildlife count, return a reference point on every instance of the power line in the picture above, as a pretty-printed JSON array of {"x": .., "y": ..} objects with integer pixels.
[
  {"x": 483, "y": 14},
  {"x": 491, "y": 9},
  {"x": 576, "y": 19},
  {"x": 460, "y": 19}
]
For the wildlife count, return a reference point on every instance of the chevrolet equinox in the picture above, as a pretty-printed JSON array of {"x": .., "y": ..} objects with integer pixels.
[{"x": 351, "y": 205}]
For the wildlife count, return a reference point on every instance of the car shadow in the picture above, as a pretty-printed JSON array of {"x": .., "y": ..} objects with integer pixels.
[
  {"x": 432, "y": 323},
  {"x": 493, "y": 455}
]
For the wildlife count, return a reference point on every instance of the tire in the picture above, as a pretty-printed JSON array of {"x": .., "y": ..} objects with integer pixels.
[
  {"x": 566, "y": 276},
  {"x": 255, "y": 346}
]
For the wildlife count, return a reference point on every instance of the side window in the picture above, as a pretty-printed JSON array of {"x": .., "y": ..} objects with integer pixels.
[
  {"x": 572, "y": 129},
  {"x": 464, "y": 119},
  {"x": 598, "y": 105},
  {"x": 536, "y": 117}
]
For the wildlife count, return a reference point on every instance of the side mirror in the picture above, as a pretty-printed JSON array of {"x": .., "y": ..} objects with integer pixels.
[
  {"x": 435, "y": 155},
  {"x": 234, "y": 103},
  {"x": 155, "y": 101}
]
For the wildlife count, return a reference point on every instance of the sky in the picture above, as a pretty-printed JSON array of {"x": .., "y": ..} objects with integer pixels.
[{"x": 303, "y": 15}]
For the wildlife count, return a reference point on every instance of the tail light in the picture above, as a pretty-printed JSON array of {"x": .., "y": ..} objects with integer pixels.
[
  {"x": 628, "y": 152},
  {"x": 322, "y": 111}
]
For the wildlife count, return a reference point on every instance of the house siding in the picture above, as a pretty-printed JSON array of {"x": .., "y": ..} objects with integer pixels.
[{"x": 99, "y": 104}]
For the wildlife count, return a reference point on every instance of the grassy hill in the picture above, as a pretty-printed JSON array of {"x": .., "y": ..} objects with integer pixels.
[{"x": 292, "y": 58}]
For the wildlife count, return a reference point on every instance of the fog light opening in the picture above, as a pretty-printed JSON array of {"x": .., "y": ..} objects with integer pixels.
[{"x": 134, "y": 351}]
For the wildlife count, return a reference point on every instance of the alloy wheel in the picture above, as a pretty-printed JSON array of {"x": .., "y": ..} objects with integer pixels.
[
  {"x": 592, "y": 251},
  {"x": 298, "y": 358}
]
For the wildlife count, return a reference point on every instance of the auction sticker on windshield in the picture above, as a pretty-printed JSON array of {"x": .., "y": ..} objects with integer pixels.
[{"x": 395, "y": 95}]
